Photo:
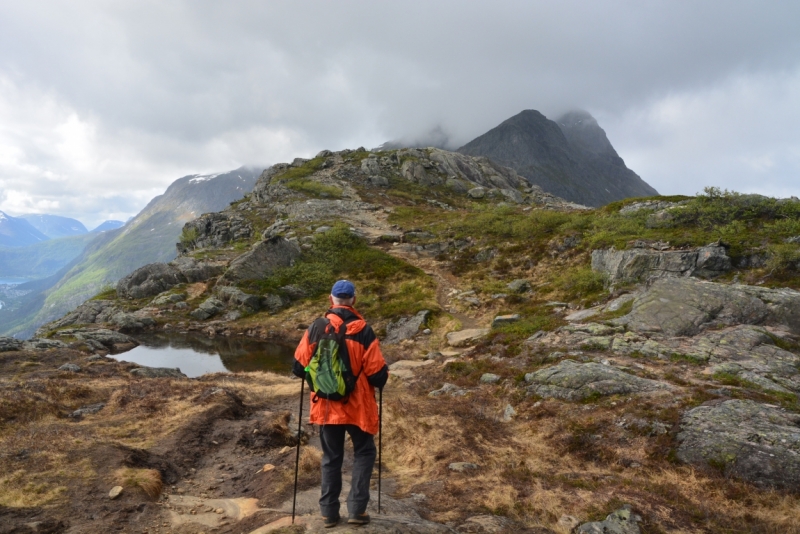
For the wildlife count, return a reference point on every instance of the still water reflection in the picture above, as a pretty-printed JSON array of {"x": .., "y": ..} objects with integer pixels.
[{"x": 196, "y": 355}]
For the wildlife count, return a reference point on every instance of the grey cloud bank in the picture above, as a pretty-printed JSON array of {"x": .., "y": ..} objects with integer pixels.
[{"x": 103, "y": 105}]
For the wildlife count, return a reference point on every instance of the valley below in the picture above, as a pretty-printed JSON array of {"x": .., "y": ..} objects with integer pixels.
[{"x": 632, "y": 368}]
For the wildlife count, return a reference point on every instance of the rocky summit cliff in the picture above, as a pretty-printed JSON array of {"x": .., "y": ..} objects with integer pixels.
[
  {"x": 554, "y": 369},
  {"x": 570, "y": 157}
]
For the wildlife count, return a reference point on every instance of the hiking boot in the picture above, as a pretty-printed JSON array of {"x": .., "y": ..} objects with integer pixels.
[
  {"x": 360, "y": 519},
  {"x": 330, "y": 522}
]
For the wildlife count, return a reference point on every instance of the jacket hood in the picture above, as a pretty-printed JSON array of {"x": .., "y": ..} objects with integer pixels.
[{"x": 346, "y": 314}]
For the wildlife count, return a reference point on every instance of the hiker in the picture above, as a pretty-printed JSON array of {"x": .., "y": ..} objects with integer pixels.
[{"x": 356, "y": 414}]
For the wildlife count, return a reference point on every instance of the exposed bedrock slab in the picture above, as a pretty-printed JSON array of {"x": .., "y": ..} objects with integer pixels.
[
  {"x": 573, "y": 381},
  {"x": 462, "y": 338},
  {"x": 197, "y": 270},
  {"x": 261, "y": 260},
  {"x": 685, "y": 307},
  {"x": 746, "y": 439},
  {"x": 642, "y": 264},
  {"x": 149, "y": 281}
]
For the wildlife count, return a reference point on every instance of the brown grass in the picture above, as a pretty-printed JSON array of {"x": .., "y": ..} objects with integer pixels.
[{"x": 147, "y": 480}]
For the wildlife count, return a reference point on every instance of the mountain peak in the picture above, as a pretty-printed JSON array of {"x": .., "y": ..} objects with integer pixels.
[{"x": 571, "y": 158}]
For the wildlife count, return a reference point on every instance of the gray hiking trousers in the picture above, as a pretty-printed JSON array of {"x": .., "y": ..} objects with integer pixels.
[{"x": 364, "y": 453}]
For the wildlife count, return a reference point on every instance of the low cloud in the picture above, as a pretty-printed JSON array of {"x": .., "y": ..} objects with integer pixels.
[{"x": 103, "y": 105}]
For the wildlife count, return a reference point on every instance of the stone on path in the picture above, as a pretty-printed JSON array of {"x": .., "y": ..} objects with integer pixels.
[
  {"x": 404, "y": 368},
  {"x": 489, "y": 378},
  {"x": 70, "y": 367},
  {"x": 573, "y": 381},
  {"x": 405, "y": 327},
  {"x": 753, "y": 441},
  {"x": 466, "y": 337},
  {"x": 115, "y": 492}
]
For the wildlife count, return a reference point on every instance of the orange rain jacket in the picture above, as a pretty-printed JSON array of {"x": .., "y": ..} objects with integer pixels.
[{"x": 367, "y": 363}]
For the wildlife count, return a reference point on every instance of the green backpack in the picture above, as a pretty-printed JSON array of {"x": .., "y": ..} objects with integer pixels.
[{"x": 329, "y": 374}]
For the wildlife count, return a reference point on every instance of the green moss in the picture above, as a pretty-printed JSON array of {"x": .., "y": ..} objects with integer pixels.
[{"x": 297, "y": 179}]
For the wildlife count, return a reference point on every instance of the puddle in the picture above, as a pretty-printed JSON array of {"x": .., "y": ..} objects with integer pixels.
[{"x": 197, "y": 355}]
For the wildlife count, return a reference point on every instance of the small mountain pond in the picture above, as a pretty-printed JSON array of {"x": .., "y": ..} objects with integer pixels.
[{"x": 197, "y": 355}]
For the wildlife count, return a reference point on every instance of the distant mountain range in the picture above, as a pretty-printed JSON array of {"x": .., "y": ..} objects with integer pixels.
[
  {"x": 149, "y": 237},
  {"x": 17, "y": 232},
  {"x": 109, "y": 225},
  {"x": 571, "y": 157},
  {"x": 55, "y": 226}
]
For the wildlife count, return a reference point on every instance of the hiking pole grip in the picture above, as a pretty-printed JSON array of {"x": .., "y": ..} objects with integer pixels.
[
  {"x": 297, "y": 456},
  {"x": 380, "y": 444}
]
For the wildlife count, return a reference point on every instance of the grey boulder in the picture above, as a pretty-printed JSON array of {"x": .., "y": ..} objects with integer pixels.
[
  {"x": 573, "y": 381},
  {"x": 405, "y": 327},
  {"x": 209, "y": 308},
  {"x": 149, "y": 281},
  {"x": 236, "y": 297},
  {"x": 755, "y": 442}
]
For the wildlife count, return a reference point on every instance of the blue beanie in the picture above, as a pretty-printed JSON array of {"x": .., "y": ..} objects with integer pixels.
[{"x": 343, "y": 289}]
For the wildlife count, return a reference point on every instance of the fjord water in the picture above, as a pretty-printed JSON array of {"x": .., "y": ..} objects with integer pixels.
[{"x": 196, "y": 355}]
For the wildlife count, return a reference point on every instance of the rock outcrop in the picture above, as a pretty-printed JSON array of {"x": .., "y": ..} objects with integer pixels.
[
  {"x": 639, "y": 264},
  {"x": 261, "y": 261},
  {"x": 746, "y": 439},
  {"x": 149, "y": 281},
  {"x": 91, "y": 311},
  {"x": 216, "y": 230},
  {"x": 198, "y": 271},
  {"x": 573, "y": 381},
  {"x": 685, "y": 307}
]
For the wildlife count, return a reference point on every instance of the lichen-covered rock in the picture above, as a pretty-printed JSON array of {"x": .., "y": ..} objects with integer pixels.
[
  {"x": 43, "y": 344},
  {"x": 405, "y": 327},
  {"x": 640, "y": 264},
  {"x": 686, "y": 306},
  {"x": 197, "y": 270},
  {"x": 149, "y": 281},
  {"x": 261, "y": 260},
  {"x": 166, "y": 299},
  {"x": 622, "y": 521},
  {"x": 745, "y": 439},
  {"x": 236, "y": 297},
  {"x": 573, "y": 381},
  {"x": 131, "y": 322},
  {"x": 209, "y": 308}
]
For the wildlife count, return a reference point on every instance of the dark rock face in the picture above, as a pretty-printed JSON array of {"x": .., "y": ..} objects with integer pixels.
[
  {"x": 261, "y": 260},
  {"x": 571, "y": 157},
  {"x": 8, "y": 344},
  {"x": 149, "y": 281},
  {"x": 574, "y": 381},
  {"x": 237, "y": 297},
  {"x": 746, "y": 439},
  {"x": 638, "y": 264},
  {"x": 686, "y": 306},
  {"x": 100, "y": 339}
]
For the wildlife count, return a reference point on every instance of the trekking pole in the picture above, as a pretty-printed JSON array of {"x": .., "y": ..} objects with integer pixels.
[
  {"x": 380, "y": 444},
  {"x": 297, "y": 457}
]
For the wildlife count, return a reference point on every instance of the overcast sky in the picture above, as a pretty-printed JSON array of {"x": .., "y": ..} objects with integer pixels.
[{"x": 104, "y": 104}]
